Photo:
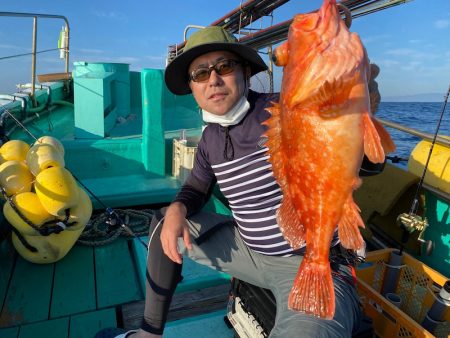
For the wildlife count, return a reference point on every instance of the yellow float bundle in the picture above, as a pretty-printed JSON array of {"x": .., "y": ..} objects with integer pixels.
[{"x": 47, "y": 209}]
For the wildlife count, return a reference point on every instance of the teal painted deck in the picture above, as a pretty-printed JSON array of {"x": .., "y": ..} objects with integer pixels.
[
  {"x": 81, "y": 294},
  {"x": 207, "y": 326},
  {"x": 74, "y": 297}
]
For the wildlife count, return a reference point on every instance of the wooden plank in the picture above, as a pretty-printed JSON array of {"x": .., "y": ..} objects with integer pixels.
[
  {"x": 7, "y": 258},
  {"x": 195, "y": 275},
  {"x": 12, "y": 332},
  {"x": 74, "y": 283},
  {"x": 186, "y": 304},
  {"x": 208, "y": 325},
  {"x": 88, "y": 324},
  {"x": 56, "y": 328},
  {"x": 116, "y": 276},
  {"x": 28, "y": 297},
  {"x": 54, "y": 77}
]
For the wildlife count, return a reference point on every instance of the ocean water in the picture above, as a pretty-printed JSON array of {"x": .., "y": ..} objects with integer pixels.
[{"x": 422, "y": 116}]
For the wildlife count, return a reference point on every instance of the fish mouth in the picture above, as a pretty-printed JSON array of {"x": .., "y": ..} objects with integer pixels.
[{"x": 327, "y": 11}]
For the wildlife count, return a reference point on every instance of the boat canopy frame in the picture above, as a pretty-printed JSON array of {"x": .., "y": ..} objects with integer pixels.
[{"x": 244, "y": 15}]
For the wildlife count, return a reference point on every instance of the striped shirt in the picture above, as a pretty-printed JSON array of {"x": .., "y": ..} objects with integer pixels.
[
  {"x": 246, "y": 180},
  {"x": 254, "y": 196}
]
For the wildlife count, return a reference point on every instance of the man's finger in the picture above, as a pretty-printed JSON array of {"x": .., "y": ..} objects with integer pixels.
[
  {"x": 187, "y": 238},
  {"x": 174, "y": 255}
]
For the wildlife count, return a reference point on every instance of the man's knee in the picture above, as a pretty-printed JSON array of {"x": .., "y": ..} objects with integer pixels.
[{"x": 155, "y": 229}]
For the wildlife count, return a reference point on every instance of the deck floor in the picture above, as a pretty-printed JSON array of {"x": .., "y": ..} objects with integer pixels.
[{"x": 93, "y": 288}]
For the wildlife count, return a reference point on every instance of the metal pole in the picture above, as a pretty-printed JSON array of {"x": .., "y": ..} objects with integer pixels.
[
  {"x": 33, "y": 61},
  {"x": 425, "y": 136},
  {"x": 66, "y": 53},
  {"x": 67, "y": 47},
  {"x": 270, "y": 68}
]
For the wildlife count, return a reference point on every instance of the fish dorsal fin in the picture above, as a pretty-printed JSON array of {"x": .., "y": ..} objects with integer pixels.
[{"x": 273, "y": 142}]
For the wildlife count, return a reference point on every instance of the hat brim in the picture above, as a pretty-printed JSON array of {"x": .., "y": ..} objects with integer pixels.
[{"x": 176, "y": 73}]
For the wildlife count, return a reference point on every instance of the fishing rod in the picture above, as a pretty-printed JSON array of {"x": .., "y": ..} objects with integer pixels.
[
  {"x": 411, "y": 222},
  {"x": 112, "y": 214}
]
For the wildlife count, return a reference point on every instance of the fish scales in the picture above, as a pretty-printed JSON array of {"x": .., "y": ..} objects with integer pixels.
[{"x": 317, "y": 136}]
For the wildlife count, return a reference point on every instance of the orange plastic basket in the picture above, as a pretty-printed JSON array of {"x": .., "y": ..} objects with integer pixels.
[{"x": 417, "y": 287}]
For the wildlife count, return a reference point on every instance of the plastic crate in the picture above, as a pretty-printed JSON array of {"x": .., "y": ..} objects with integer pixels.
[{"x": 417, "y": 286}]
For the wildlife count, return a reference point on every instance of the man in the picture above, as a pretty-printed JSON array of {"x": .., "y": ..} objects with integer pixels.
[{"x": 217, "y": 70}]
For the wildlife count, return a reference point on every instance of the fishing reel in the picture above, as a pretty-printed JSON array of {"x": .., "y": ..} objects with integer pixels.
[{"x": 410, "y": 223}]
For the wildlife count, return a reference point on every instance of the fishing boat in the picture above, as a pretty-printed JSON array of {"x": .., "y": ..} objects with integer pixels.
[{"x": 129, "y": 143}]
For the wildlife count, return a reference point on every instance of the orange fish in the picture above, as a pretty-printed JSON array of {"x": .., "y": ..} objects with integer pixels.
[{"x": 317, "y": 136}]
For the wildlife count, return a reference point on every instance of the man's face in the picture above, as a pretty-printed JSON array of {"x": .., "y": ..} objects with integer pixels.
[{"x": 219, "y": 93}]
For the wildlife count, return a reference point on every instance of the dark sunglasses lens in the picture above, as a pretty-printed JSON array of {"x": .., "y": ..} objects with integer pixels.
[
  {"x": 225, "y": 67},
  {"x": 200, "y": 75},
  {"x": 222, "y": 68}
]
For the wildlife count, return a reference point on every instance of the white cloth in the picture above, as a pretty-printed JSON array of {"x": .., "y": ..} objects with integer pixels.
[
  {"x": 234, "y": 116},
  {"x": 126, "y": 334}
]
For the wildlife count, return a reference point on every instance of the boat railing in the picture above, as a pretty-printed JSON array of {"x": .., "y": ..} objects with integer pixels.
[
  {"x": 425, "y": 136},
  {"x": 34, "y": 51}
]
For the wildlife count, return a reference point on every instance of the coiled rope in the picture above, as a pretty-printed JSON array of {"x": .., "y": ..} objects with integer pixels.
[{"x": 102, "y": 229}]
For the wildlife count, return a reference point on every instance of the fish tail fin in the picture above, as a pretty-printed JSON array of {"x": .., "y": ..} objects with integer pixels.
[
  {"x": 377, "y": 141},
  {"x": 349, "y": 233},
  {"x": 290, "y": 225},
  {"x": 386, "y": 140},
  {"x": 273, "y": 142},
  {"x": 313, "y": 291}
]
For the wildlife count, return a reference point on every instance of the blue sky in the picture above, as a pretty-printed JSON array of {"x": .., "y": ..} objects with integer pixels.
[{"x": 410, "y": 42}]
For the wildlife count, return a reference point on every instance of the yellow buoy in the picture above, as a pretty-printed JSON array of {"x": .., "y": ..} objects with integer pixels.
[
  {"x": 42, "y": 156},
  {"x": 31, "y": 208},
  {"x": 46, "y": 249},
  {"x": 15, "y": 150},
  {"x": 57, "y": 190},
  {"x": 80, "y": 213},
  {"x": 52, "y": 141},
  {"x": 438, "y": 171},
  {"x": 49, "y": 249},
  {"x": 15, "y": 177}
]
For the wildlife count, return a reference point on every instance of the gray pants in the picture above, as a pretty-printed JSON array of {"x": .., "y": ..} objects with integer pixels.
[{"x": 223, "y": 250}]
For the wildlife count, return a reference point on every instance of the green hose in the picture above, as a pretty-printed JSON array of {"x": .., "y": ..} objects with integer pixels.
[
  {"x": 63, "y": 103},
  {"x": 56, "y": 102}
]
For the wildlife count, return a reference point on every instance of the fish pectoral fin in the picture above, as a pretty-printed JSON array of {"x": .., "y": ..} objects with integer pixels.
[
  {"x": 348, "y": 230},
  {"x": 329, "y": 97},
  {"x": 372, "y": 142},
  {"x": 386, "y": 140},
  {"x": 290, "y": 225}
]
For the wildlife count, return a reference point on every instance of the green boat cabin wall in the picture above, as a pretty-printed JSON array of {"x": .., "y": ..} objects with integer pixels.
[
  {"x": 105, "y": 92},
  {"x": 165, "y": 115},
  {"x": 101, "y": 95}
]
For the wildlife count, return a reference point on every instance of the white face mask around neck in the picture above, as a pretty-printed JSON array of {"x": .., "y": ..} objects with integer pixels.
[{"x": 234, "y": 116}]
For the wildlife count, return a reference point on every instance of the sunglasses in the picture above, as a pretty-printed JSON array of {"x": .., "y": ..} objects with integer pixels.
[{"x": 222, "y": 67}]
